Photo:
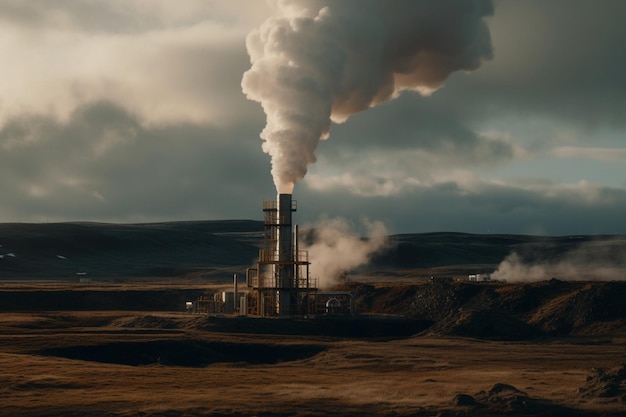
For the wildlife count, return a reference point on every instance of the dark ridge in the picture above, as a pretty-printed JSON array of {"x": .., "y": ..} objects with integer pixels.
[
  {"x": 100, "y": 250},
  {"x": 441, "y": 249},
  {"x": 105, "y": 250},
  {"x": 131, "y": 300}
]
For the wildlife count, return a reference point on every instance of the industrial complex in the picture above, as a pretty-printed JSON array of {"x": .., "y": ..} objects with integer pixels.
[{"x": 281, "y": 283}]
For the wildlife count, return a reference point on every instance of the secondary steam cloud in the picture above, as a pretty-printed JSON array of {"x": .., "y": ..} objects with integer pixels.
[
  {"x": 587, "y": 262},
  {"x": 334, "y": 248},
  {"x": 320, "y": 61}
]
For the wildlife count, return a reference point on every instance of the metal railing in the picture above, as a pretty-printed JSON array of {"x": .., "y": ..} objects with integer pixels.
[
  {"x": 270, "y": 279},
  {"x": 273, "y": 205},
  {"x": 273, "y": 256}
]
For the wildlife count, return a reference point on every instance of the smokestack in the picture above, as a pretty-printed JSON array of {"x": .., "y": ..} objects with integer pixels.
[
  {"x": 285, "y": 267},
  {"x": 285, "y": 243}
]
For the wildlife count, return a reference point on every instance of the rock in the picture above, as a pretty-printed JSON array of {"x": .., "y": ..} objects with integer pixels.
[
  {"x": 464, "y": 400},
  {"x": 500, "y": 388},
  {"x": 505, "y": 397},
  {"x": 605, "y": 383}
]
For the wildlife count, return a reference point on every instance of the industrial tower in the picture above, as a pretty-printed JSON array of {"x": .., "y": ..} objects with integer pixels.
[{"x": 281, "y": 284}]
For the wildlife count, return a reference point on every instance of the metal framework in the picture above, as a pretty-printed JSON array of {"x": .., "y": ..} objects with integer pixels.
[{"x": 280, "y": 284}]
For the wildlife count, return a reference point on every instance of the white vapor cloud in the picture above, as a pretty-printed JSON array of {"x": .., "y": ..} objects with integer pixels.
[
  {"x": 320, "y": 61},
  {"x": 335, "y": 248},
  {"x": 586, "y": 262}
]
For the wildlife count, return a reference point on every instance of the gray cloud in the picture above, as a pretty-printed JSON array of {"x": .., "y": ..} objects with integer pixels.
[
  {"x": 492, "y": 208},
  {"x": 103, "y": 164},
  {"x": 413, "y": 122},
  {"x": 559, "y": 58},
  {"x": 132, "y": 111},
  {"x": 175, "y": 65}
]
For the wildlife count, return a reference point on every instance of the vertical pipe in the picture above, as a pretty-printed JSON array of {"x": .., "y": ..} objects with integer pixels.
[
  {"x": 235, "y": 293},
  {"x": 284, "y": 228},
  {"x": 295, "y": 258},
  {"x": 285, "y": 254}
]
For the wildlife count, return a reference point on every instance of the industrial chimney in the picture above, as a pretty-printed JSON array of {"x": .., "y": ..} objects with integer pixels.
[
  {"x": 285, "y": 253},
  {"x": 281, "y": 280}
]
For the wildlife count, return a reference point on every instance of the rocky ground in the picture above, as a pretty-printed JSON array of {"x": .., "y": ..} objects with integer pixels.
[
  {"x": 501, "y": 311},
  {"x": 427, "y": 348}
]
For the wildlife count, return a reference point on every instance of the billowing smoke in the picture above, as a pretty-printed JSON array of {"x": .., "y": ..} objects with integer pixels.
[
  {"x": 335, "y": 249},
  {"x": 320, "y": 61},
  {"x": 587, "y": 262}
]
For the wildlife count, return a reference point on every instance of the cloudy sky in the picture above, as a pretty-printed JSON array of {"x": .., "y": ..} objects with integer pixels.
[{"x": 133, "y": 111}]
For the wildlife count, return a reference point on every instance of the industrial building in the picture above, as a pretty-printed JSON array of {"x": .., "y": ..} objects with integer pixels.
[{"x": 281, "y": 284}]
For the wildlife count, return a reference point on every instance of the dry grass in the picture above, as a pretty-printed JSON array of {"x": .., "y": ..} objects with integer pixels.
[{"x": 415, "y": 376}]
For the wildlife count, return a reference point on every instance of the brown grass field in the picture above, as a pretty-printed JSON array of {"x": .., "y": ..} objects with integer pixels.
[{"x": 142, "y": 363}]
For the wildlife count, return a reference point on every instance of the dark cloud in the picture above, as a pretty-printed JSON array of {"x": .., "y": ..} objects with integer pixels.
[
  {"x": 491, "y": 209},
  {"x": 102, "y": 164},
  {"x": 415, "y": 122},
  {"x": 561, "y": 58}
]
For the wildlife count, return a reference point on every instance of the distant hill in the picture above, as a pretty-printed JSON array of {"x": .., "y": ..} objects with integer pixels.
[
  {"x": 426, "y": 250},
  {"x": 217, "y": 248},
  {"x": 61, "y": 250}
]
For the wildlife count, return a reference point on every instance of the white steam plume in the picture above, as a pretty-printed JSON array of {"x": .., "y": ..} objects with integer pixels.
[
  {"x": 588, "y": 262},
  {"x": 320, "y": 61},
  {"x": 334, "y": 249}
]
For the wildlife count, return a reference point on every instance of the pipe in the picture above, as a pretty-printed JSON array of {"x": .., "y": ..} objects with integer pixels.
[
  {"x": 295, "y": 256},
  {"x": 285, "y": 243},
  {"x": 235, "y": 293},
  {"x": 285, "y": 254}
]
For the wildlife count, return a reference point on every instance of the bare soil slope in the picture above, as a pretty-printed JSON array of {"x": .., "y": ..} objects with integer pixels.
[{"x": 504, "y": 311}]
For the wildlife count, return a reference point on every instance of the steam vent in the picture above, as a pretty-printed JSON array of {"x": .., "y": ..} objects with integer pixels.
[{"x": 281, "y": 284}]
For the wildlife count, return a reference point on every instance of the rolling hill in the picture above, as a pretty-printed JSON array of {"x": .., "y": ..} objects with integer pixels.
[
  {"x": 62, "y": 250},
  {"x": 217, "y": 248}
]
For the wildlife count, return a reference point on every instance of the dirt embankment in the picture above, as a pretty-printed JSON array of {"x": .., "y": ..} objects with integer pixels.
[
  {"x": 496, "y": 311},
  {"x": 504, "y": 311}
]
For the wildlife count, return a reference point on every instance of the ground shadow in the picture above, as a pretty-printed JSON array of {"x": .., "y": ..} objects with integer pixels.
[
  {"x": 349, "y": 327},
  {"x": 191, "y": 353}
]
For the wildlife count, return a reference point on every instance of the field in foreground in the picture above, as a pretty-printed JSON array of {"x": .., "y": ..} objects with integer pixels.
[{"x": 139, "y": 363}]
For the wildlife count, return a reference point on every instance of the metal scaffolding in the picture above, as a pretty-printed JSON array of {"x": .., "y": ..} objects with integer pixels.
[{"x": 281, "y": 284}]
